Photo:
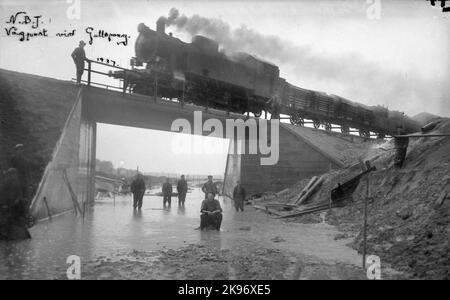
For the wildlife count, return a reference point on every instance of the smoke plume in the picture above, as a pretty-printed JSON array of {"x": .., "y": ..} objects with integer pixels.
[{"x": 349, "y": 75}]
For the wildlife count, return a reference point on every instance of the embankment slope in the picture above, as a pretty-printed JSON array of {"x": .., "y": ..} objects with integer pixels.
[{"x": 33, "y": 110}]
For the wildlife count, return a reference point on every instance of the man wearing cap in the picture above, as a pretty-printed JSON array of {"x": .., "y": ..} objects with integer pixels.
[
  {"x": 210, "y": 187},
  {"x": 79, "y": 57}
]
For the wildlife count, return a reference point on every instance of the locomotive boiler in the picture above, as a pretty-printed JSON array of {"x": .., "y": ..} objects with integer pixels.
[{"x": 200, "y": 73}]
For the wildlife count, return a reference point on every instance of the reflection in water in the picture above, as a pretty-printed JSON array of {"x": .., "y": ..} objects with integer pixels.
[
  {"x": 137, "y": 214},
  {"x": 181, "y": 210},
  {"x": 211, "y": 238}
]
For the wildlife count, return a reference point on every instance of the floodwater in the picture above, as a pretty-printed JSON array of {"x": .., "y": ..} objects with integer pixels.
[{"x": 111, "y": 226}]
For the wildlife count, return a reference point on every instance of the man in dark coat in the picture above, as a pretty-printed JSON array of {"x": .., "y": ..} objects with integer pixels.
[
  {"x": 79, "y": 56},
  {"x": 239, "y": 196},
  {"x": 21, "y": 164},
  {"x": 13, "y": 208},
  {"x": 182, "y": 189},
  {"x": 167, "y": 192},
  {"x": 210, "y": 187},
  {"x": 138, "y": 190},
  {"x": 211, "y": 213}
]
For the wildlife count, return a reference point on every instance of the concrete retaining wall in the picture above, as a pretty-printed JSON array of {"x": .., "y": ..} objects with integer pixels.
[{"x": 66, "y": 159}]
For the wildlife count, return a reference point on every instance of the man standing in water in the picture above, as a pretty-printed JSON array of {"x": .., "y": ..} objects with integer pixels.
[
  {"x": 210, "y": 187},
  {"x": 21, "y": 164},
  {"x": 13, "y": 208},
  {"x": 138, "y": 190},
  {"x": 79, "y": 56},
  {"x": 239, "y": 196},
  {"x": 182, "y": 189},
  {"x": 167, "y": 193},
  {"x": 211, "y": 213}
]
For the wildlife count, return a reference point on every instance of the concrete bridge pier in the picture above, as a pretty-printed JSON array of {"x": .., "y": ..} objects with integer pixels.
[{"x": 68, "y": 180}]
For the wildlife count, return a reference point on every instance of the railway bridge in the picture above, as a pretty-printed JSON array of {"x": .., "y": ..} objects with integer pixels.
[{"x": 68, "y": 180}]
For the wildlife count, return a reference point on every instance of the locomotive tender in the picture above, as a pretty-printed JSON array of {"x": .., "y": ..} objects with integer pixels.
[{"x": 199, "y": 73}]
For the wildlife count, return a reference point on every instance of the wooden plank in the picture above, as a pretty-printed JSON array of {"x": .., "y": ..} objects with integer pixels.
[
  {"x": 311, "y": 191},
  {"x": 280, "y": 204},
  {"x": 48, "y": 208},
  {"x": 282, "y": 192},
  {"x": 307, "y": 211},
  {"x": 259, "y": 207},
  {"x": 306, "y": 188},
  {"x": 269, "y": 210},
  {"x": 275, "y": 212},
  {"x": 72, "y": 193},
  {"x": 422, "y": 135},
  {"x": 441, "y": 198}
]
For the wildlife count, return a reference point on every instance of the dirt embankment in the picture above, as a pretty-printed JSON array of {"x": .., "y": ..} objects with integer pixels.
[
  {"x": 408, "y": 212},
  {"x": 33, "y": 110}
]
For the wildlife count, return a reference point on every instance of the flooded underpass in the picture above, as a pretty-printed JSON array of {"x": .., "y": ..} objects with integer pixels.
[{"x": 115, "y": 242}]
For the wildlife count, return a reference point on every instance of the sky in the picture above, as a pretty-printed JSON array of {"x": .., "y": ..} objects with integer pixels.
[
  {"x": 396, "y": 56},
  {"x": 160, "y": 151}
]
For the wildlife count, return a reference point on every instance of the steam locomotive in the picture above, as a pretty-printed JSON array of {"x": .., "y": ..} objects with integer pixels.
[{"x": 200, "y": 73}]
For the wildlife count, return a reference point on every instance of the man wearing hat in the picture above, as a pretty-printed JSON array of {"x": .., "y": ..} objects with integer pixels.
[
  {"x": 79, "y": 57},
  {"x": 210, "y": 187}
]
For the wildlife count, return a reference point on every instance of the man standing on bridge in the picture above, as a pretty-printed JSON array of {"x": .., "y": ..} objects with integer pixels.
[{"x": 79, "y": 56}]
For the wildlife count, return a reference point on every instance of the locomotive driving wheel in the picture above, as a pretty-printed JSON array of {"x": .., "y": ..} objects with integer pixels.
[
  {"x": 295, "y": 119},
  {"x": 364, "y": 133},
  {"x": 257, "y": 114},
  {"x": 345, "y": 129},
  {"x": 328, "y": 126},
  {"x": 316, "y": 124},
  {"x": 381, "y": 136}
]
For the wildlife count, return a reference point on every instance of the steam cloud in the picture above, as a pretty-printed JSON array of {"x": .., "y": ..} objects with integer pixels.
[{"x": 347, "y": 75}]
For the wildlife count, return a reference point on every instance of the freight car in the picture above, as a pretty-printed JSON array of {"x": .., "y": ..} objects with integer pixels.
[
  {"x": 325, "y": 110},
  {"x": 200, "y": 73}
]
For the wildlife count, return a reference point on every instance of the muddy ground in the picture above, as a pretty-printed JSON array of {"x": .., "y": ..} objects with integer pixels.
[
  {"x": 114, "y": 242},
  {"x": 408, "y": 208},
  {"x": 200, "y": 262}
]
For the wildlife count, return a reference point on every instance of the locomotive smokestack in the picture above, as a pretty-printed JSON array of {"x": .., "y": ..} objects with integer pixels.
[{"x": 161, "y": 25}]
